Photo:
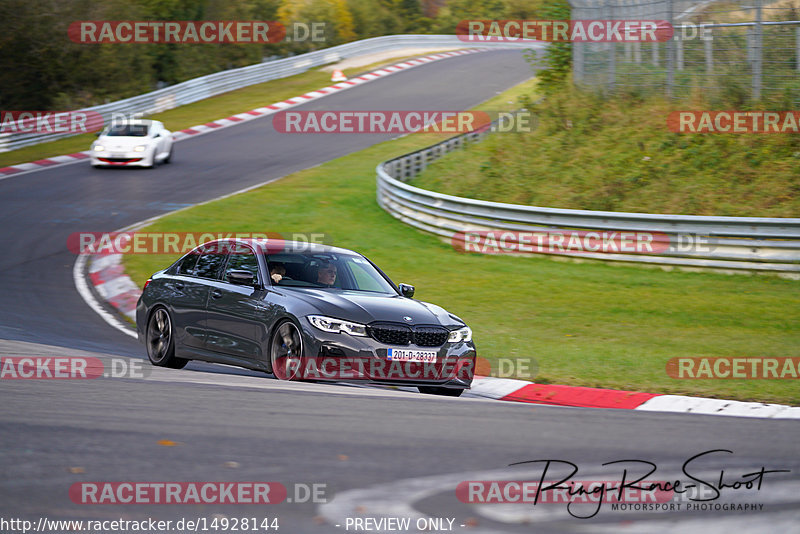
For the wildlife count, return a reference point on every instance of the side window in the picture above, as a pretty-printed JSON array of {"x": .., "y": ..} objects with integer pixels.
[
  {"x": 242, "y": 258},
  {"x": 187, "y": 265},
  {"x": 210, "y": 263}
]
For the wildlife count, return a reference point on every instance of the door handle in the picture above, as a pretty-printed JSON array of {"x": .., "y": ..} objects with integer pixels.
[{"x": 216, "y": 294}]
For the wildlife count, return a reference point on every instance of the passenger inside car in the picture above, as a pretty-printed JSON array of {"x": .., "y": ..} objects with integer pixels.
[{"x": 277, "y": 271}]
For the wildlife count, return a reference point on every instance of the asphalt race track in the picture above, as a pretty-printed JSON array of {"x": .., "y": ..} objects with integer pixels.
[{"x": 377, "y": 453}]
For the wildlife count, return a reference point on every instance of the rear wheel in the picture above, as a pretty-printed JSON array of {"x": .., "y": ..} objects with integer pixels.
[
  {"x": 435, "y": 390},
  {"x": 160, "y": 341},
  {"x": 286, "y": 352},
  {"x": 169, "y": 156}
]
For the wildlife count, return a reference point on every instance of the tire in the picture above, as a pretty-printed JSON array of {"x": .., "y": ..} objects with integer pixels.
[
  {"x": 286, "y": 352},
  {"x": 161, "y": 342},
  {"x": 169, "y": 156},
  {"x": 435, "y": 390}
]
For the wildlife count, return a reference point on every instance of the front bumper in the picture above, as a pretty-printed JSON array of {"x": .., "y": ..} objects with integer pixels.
[
  {"x": 342, "y": 357},
  {"x": 124, "y": 159}
]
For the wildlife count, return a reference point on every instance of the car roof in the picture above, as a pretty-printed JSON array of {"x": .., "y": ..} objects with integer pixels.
[
  {"x": 137, "y": 122},
  {"x": 274, "y": 246}
]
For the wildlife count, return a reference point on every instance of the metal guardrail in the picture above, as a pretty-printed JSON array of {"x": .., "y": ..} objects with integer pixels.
[
  {"x": 229, "y": 80},
  {"x": 731, "y": 244}
]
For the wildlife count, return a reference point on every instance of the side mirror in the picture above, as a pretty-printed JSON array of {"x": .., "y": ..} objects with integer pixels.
[
  {"x": 241, "y": 278},
  {"x": 407, "y": 290},
  {"x": 158, "y": 134}
]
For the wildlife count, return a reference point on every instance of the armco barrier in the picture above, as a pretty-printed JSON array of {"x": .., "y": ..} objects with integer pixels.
[
  {"x": 731, "y": 244},
  {"x": 229, "y": 80}
]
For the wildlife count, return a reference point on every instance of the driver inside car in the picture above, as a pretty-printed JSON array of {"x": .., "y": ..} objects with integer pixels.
[{"x": 326, "y": 275}]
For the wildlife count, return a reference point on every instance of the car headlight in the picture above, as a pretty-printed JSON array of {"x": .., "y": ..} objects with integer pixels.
[
  {"x": 99, "y": 148},
  {"x": 337, "y": 326},
  {"x": 460, "y": 335},
  {"x": 140, "y": 148}
]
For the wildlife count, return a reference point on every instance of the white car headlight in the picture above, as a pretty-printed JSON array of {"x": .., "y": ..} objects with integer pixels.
[
  {"x": 140, "y": 148},
  {"x": 460, "y": 335},
  {"x": 337, "y": 326},
  {"x": 99, "y": 148}
]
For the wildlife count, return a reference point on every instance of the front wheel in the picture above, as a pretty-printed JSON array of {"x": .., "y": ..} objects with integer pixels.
[
  {"x": 160, "y": 341},
  {"x": 447, "y": 392},
  {"x": 286, "y": 352}
]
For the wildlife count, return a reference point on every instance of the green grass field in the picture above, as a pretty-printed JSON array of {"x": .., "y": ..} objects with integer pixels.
[{"x": 589, "y": 324}]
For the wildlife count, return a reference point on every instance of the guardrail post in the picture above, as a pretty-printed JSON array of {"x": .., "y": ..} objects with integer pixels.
[
  {"x": 797, "y": 46},
  {"x": 612, "y": 50},
  {"x": 670, "y": 51},
  {"x": 757, "y": 52},
  {"x": 709, "y": 53},
  {"x": 577, "y": 63}
]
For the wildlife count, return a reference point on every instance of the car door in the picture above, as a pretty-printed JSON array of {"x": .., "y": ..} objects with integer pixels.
[
  {"x": 235, "y": 313},
  {"x": 190, "y": 288}
]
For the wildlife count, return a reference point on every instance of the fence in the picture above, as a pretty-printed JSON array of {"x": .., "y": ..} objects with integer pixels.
[
  {"x": 730, "y": 244},
  {"x": 730, "y": 53},
  {"x": 229, "y": 80}
]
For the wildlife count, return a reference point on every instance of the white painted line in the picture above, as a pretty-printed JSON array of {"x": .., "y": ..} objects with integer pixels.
[
  {"x": 86, "y": 294},
  {"x": 495, "y": 388},
  {"x": 700, "y": 405}
]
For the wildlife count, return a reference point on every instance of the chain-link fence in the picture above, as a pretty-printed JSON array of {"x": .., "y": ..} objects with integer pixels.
[{"x": 730, "y": 53}]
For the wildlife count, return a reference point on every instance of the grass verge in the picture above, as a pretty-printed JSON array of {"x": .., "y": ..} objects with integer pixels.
[
  {"x": 587, "y": 324},
  {"x": 596, "y": 153}
]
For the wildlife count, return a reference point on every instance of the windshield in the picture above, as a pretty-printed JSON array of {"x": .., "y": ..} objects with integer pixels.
[
  {"x": 326, "y": 270},
  {"x": 128, "y": 130}
]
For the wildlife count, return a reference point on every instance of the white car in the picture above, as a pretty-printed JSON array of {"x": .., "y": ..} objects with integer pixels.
[{"x": 139, "y": 142}]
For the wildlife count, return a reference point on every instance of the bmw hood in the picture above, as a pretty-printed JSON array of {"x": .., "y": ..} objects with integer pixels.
[{"x": 362, "y": 307}]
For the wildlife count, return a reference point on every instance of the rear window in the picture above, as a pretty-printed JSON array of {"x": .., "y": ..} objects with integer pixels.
[
  {"x": 209, "y": 264},
  {"x": 186, "y": 264}
]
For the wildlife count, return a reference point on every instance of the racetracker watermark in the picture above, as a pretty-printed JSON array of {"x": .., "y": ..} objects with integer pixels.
[
  {"x": 398, "y": 365},
  {"x": 402, "y": 122},
  {"x": 183, "y": 31},
  {"x": 734, "y": 368},
  {"x": 734, "y": 122},
  {"x": 177, "y": 493},
  {"x": 136, "y": 492},
  {"x": 578, "y": 242},
  {"x": 183, "y": 242},
  {"x": 560, "y": 492},
  {"x": 76, "y": 122},
  {"x": 379, "y": 122},
  {"x": 577, "y": 31},
  {"x": 526, "y": 368},
  {"x": 70, "y": 368}
]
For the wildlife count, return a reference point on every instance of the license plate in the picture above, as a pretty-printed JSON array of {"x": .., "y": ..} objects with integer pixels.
[{"x": 403, "y": 355}]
